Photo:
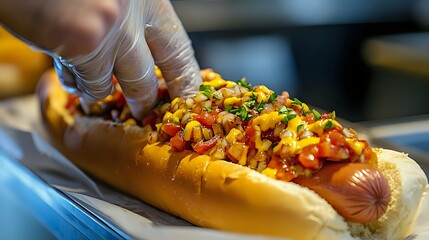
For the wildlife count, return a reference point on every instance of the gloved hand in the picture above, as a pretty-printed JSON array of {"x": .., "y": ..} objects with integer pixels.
[{"x": 132, "y": 36}]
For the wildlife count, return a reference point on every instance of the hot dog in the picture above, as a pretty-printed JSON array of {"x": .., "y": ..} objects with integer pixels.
[
  {"x": 359, "y": 192},
  {"x": 241, "y": 158}
]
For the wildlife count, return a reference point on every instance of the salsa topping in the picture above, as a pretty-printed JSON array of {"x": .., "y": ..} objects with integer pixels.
[{"x": 248, "y": 125}]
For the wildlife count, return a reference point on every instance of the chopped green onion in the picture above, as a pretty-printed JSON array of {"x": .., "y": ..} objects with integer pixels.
[
  {"x": 253, "y": 97},
  {"x": 297, "y": 102},
  {"x": 216, "y": 96},
  {"x": 228, "y": 107},
  {"x": 205, "y": 87},
  {"x": 316, "y": 115},
  {"x": 329, "y": 125},
  {"x": 208, "y": 109},
  {"x": 243, "y": 114},
  {"x": 272, "y": 97},
  {"x": 234, "y": 110},
  {"x": 283, "y": 110},
  {"x": 289, "y": 117},
  {"x": 206, "y": 90},
  {"x": 333, "y": 115},
  {"x": 260, "y": 106},
  {"x": 251, "y": 104},
  {"x": 303, "y": 112},
  {"x": 300, "y": 126},
  {"x": 243, "y": 83},
  {"x": 176, "y": 119}
]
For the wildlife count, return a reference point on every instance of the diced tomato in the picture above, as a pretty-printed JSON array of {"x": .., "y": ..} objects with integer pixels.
[
  {"x": 269, "y": 134},
  {"x": 250, "y": 136},
  {"x": 326, "y": 116},
  {"x": 275, "y": 162},
  {"x": 296, "y": 108},
  {"x": 120, "y": 100},
  {"x": 337, "y": 129},
  {"x": 369, "y": 154},
  {"x": 282, "y": 99},
  {"x": 202, "y": 146},
  {"x": 266, "y": 134},
  {"x": 163, "y": 94},
  {"x": 207, "y": 119},
  {"x": 309, "y": 158},
  {"x": 71, "y": 103},
  {"x": 171, "y": 128},
  {"x": 335, "y": 138},
  {"x": 285, "y": 176},
  {"x": 149, "y": 120},
  {"x": 178, "y": 143},
  {"x": 333, "y": 146},
  {"x": 309, "y": 118},
  {"x": 327, "y": 150},
  {"x": 283, "y": 171},
  {"x": 250, "y": 132},
  {"x": 114, "y": 79},
  {"x": 246, "y": 123},
  {"x": 332, "y": 152}
]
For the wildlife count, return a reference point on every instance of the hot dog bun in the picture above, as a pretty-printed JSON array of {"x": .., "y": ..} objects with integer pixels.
[{"x": 220, "y": 194}]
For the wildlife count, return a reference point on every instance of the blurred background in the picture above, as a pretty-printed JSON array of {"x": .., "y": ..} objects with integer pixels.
[
  {"x": 20, "y": 66},
  {"x": 367, "y": 60}
]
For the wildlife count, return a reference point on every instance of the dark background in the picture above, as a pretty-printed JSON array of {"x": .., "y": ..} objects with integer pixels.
[{"x": 314, "y": 50}]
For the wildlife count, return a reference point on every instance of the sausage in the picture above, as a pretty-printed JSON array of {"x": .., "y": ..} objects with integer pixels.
[{"x": 359, "y": 192}]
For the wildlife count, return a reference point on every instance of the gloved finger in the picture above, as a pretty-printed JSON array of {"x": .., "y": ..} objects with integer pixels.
[
  {"x": 92, "y": 72},
  {"x": 68, "y": 82},
  {"x": 66, "y": 77},
  {"x": 135, "y": 70},
  {"x": 93, "y": 75},
  {"x": 172, "y": 51}
]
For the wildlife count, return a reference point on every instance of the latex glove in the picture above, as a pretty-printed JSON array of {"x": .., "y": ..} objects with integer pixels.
[{"x": 133, "y": 37}]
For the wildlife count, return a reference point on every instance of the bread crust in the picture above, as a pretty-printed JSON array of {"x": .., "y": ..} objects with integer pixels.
[{"x": 215, "y": 194}]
